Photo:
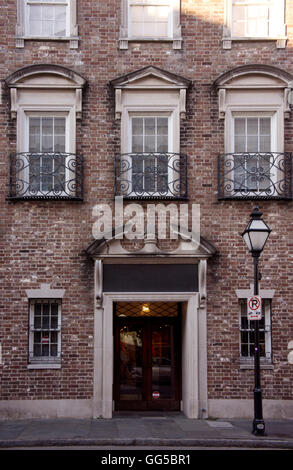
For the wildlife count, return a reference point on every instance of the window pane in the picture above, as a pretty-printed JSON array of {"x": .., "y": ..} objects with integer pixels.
[
  {"x": 150, "y": 144},
  {"x": 45, "y": 349},
  {"x": 59, "y": 144},
  {"x": 240, "y": 144},
  {"x": 34, "y": 143},
  {"x": 37, "y": 350},
  {"x": 34, "y": 135},
  {"x": 252, "y": 126},
  {"x": 38, "y": 322},
  {"x": 150, "y": 126},
  {"x": 240, "y": 126},
  {"x": 60, "y": 29},
  {"x": 162, "y": 126},
  {"x": 48, "y": 12},
  {"x": 34, "y": 126},
  {"x": 252, "y": 144},
  {"x": 60, "y": 13},
  {"x": 35, "y": 12},
  {"x": 137, "y": 126},
  {"x": 137, "y": 144},
  {"x": 54, "y": 322},
  {"x": 265, "y": 126},
  {"x": 162, "y": 143},
  {"x": 54, "y": 309},
  {"x": 47, "y": 143},
  {"x": 47, "y": 126},
  {"x": 54, "y": 337},
  {"x": 137, "y": 13},
  {"x": 264, "y": 144}
]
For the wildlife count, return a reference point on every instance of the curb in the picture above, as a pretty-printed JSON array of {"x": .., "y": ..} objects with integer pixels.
[{"x": 145, "y": 442}]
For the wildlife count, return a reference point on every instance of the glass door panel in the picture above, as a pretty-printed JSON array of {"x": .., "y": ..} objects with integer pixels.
[
  {"x": 131, "y": 361},
  {"x": 162, "y": 360},
  {"x": 147, "y": 351}
]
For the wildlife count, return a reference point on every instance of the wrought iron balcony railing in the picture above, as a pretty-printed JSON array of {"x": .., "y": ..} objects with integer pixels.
[
  {"x": 157, "y": 175},
  {"x": 266, "y": 175},
  {"x": 46, "y": 176}
]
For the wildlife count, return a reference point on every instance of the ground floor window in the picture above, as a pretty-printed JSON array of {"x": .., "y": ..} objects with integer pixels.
[
  {"x": 45, "y": 331},
  {"x": 247, "y": 333}
]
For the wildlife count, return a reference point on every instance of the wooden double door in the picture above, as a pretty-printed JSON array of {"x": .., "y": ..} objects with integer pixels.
[{"x": 147, "y": 363}]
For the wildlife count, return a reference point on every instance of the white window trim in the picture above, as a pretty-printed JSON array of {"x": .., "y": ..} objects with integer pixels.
[
  {"x": 45, "y": 292},
  {"x": 66, "y": 3},
  {"x": 172, "y": 139},
  {"x": 173, "y": 131},
  {"x": 267, "y": 361},
  {"x": 174, "y": 27},
  {"x": 46, "y": 113},
  {"x": 69, "y": 139},
  {"x": 149, "y": 113},
  {"x": 256, "y": 114},
  {"x": 170, "y": 23},
  {"x": 277, "y": 124},
  {"x": 44, "y": 362},
  {"x": 71, "y": 33},
  {"x": 228, "y": 37},
  {"x": 24, "y": 112},
  {"x": 174, "y": 124},
  {"x": 277, "y": 129},
  {"x": 23, "y": 132},
  {"x": 265, "y": 294}
]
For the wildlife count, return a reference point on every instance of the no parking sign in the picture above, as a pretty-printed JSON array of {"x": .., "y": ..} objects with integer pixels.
[{"x": 254, "y": 308}]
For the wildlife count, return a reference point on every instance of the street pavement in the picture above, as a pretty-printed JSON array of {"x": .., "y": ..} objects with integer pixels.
[{"x": 137, "y": 430}]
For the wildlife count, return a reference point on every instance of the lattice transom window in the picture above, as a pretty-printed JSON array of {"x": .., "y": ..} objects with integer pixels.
[{"x": 146, "y": 309}]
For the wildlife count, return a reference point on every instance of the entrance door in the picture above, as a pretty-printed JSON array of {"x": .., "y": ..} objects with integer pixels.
[{"x": 147, "y": 371}]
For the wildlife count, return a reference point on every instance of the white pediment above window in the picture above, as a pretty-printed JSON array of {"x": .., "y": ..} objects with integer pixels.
[
  {"x": 263, "y": 83},
  {"x": 150, "y": 79},
  {"x": 45, "y": 78}
]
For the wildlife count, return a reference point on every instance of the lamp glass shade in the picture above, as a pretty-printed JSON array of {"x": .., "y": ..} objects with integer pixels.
[{"x": 256, "y": 234}]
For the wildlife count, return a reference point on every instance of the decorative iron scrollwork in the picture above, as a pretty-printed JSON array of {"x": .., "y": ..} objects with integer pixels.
[
  {"x": 46, "y": 176},
  {"x": 157, "y": 175},
  {"x": 266, "y": 175}
]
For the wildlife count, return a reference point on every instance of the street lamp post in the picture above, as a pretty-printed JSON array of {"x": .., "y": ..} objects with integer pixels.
[{"x": 255, "y": 236}]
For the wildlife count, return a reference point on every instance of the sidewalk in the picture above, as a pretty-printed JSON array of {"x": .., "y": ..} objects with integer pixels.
[{"x": 141, "y": 430}]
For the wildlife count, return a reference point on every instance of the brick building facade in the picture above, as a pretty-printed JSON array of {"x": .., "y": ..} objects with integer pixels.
[{"x": 198, "y": 92}]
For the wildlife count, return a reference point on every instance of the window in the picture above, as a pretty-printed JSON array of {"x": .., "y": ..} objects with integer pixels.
[
  {"x": 47, "y": 101},
  {"x": 150, "y": 160},
  {"x": 252, "y": 142},
  {"x": 45, "y": 331},
  {"x": 254, "y": 19},
  {"x": 150, "y": 20},
  {"x": 46, "y": 19},
  {"x": 150, "y": 103},
  {"x": 47, "y": 159},
  {"x": 253, "y": 101},
  {"x": 247, "y": 333}
]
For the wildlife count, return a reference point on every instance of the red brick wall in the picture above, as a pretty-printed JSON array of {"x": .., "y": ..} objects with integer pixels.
[{"x": 41, "y": 242}]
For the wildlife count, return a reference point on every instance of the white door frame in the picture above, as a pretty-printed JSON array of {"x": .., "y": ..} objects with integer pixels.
[{"x": 194, "y": 363}]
